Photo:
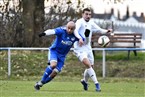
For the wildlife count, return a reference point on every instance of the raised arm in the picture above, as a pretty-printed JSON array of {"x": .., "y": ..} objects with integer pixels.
[
  {"x": 47, "y": 32},
  {"x": 100, "y": 30}
]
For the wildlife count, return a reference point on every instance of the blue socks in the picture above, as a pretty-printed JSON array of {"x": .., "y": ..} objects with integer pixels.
[
  {"x": 48, "y": 79},
  {"x": 46, "y": 74}
]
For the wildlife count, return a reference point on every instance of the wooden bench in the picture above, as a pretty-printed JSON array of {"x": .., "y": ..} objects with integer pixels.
[{"x": 120, "y": 40}]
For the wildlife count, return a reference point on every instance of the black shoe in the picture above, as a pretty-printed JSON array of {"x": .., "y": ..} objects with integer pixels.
[
  {"x": 85, "y": 85},
  {"x": 37, "y": 87}
]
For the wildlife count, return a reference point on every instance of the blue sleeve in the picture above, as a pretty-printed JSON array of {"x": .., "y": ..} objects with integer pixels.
[
  {"x": 58, "y": 31},
  {"x": 82, "y": 37}
]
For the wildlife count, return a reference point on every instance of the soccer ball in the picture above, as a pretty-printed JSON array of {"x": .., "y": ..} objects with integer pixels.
[{"x": 103, "y": 41}]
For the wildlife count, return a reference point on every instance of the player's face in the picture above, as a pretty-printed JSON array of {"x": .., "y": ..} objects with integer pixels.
[
  {"x": 70, "y": 29},
  {"x": 86, "y": 15}
]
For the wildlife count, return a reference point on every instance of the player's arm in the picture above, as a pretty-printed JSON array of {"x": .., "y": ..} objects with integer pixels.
[
  {"x": 100, "y": 30},
  {"x": 76, "y": 33},
  {"x": 81, "y": 42},
  {"x": 47, "y": 32}
]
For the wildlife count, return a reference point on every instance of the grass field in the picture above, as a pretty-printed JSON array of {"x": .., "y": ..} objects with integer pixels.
[
  {"x": 71, "y": 89},
  {"x": 125, "y": 78}
]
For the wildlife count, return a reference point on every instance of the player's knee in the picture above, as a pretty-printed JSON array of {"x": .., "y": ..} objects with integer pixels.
[
  {"x": 56, "y": 70},
  {"x": 86, "y": 63},
  {"x": 53, "y": 63}
]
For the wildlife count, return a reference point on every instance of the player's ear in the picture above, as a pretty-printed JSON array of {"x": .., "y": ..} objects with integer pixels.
[{"x": 87, "y": 32}]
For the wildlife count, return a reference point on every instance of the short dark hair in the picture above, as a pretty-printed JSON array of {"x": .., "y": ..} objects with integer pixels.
[{"x": 86, "y": 9}]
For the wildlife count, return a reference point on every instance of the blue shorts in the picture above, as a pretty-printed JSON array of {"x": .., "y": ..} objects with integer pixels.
[{"x": 59, "y": 58}]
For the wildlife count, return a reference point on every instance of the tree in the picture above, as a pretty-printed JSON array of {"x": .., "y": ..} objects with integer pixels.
[
  {"x": 114, "y": 1},
  {"x": 10, "y": 16},
  {"x": 22, "y": 23},
  {"x": 33, "y": 19},
  {"x": 60, "y": 11}
]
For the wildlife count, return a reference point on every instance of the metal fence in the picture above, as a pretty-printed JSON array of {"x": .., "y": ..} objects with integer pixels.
[{"x": 9, "y": 49}]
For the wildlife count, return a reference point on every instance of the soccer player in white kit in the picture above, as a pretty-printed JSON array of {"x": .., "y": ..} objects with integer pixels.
[{"x": 85, "y": 27}]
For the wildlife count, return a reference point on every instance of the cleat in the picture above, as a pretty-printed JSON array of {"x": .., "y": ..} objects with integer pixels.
[
  {"x": 98, "y": 89},
  {"x": 37, "y": 86},
  {"x": 85, "y": 85}
]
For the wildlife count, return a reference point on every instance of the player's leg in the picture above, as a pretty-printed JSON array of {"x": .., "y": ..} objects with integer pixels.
[
  {"x": 94, "y": 78},
  {"x": 92, "y": 74},
  {"x": 90, "y": 71},
  {"x": 52, "y": 75},
  {"x": 91, "y": 59},
  {"x": 84, "y": 81},
  {"x": 58, "y": 69},
  {"x": 45, "y": 76},
  {"x": 86, "y": 76},
  {"x": 47, "y": 72},
  {"x": 53, "y": 62}
]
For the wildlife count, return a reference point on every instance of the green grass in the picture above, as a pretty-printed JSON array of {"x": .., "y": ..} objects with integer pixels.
[
  {"x": 71, "y": 89},
  {"x": 125, "y": 78}
]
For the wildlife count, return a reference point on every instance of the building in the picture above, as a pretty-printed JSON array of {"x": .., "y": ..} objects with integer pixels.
[{"x": 131, "y": 24}]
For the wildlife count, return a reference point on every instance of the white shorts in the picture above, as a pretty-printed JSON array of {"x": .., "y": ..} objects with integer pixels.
[{"x": 85, "y": 54}]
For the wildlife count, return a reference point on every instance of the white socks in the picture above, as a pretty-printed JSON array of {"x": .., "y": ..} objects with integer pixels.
[
  {"x": 86, "y": 75},
  {"x": 40, "y": 83},
  {"x": 90, "y": 73}
]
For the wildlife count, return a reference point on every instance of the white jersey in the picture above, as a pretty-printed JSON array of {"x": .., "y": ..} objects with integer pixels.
[{"x": 81, "y": 26}]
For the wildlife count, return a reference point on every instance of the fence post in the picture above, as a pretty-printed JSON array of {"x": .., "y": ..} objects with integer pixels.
[
  {"x": 104, "y": 63},
  {"x": 9, "y": 62}
]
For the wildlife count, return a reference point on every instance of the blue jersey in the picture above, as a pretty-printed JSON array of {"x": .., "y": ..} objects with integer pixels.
[{"x": 63, "y": 41}]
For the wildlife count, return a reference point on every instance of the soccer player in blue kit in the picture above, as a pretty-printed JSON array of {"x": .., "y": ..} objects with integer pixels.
[{"x": 65, "y": 37}]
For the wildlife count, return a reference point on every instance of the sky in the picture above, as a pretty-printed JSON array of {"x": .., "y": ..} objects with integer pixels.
[{"x": 134, "y": 5}]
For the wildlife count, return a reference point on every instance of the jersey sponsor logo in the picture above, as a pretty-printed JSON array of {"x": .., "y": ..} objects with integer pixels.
[
  {"x": 73, "y": 38},
  {"x": 66, "y": 42}
]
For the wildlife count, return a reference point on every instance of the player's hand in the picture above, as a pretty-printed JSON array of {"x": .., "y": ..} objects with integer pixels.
[
  {"x": 81, "y": 42},
  {"x": 109, "y": 30},
  {"x": 42, "y": 34},
  {"x": 112, "y": 34}
]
